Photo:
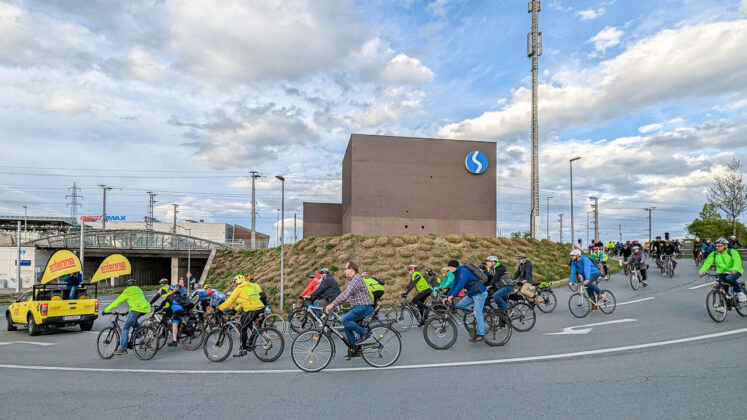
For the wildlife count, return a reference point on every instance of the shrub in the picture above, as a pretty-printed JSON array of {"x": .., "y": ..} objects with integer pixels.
[
  {"x": 388, "y": 252},
  {"x": 406, "y": 252},
  {"x": 348, "y": 236},
  {"x": 454, "y": 253},
  {"x": 424, "y": 247},
  {"x": 333, "y": 268},
  {"x": 329, "y": 245},
  {"x": 454, "y": 239},
  {"x": 410, "y": 239},
  {"x": 397, "y": 242},
  {"x": 369, "y": 243},
  {"x": 382, "y": 240},
  {"x": 474, "y": 245},
  {"x": 470, "y": 237}
]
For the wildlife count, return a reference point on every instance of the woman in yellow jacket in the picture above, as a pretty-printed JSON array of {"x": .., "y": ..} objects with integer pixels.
[{"x": 249, "y": 300}]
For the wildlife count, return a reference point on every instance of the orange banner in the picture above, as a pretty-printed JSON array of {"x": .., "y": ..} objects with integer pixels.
[
  {"x": 62, "y": 262},
  {"x": 114, "y": 265}
]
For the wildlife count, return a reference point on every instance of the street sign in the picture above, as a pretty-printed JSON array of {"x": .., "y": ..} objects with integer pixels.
[
  {"x": 25, "y": 263},
  {"x": 476, "y": 162}
]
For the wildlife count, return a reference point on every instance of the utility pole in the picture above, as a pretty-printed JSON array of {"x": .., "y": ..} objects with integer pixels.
[
  {"x": 149, "y": 217},
  {"x": 620, "y": 231},
  {"x": 573, "y": 232},
  {"x": 561, "y": 228},
  {"x": 103, "y": 216},
  {"x": 534, "y": 50},
  {"x": 595, "y": 206},
  {"x": 294, "y": 228},
  {"x": 649, "y": 210},
  {"x": 18, "y": 261},
  {"x": 74, "y": 201},
  {"x": 548, "y": 216},
  {"x": 255, "y": 175},
  {"x": 173, "y": 229},
  {"x": 282, "y": 237}
]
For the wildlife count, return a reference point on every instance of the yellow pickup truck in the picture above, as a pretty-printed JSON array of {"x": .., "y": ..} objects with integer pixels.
[{"x": 44, "y": 307}]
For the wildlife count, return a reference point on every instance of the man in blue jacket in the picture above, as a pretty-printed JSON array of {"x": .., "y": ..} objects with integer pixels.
[
  {"x": 72, "y": 281},
  {"x": 583, "y": 265},
  {"x": 476, "y": 293}
]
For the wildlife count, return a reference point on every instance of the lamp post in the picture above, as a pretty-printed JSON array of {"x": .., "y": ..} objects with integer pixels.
[
  {"x": 573, "y": 232},
  {"x": 282, "y": 235},
  {"x": 548, "y": 216},
  {"x": 189, "y": 258}
]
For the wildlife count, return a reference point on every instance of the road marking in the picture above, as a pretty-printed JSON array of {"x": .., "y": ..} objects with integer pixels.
[
  {"x": 702, "y": 285},
  {"x": 556, "y": 356},
  {"x": 35, "y": 343},
  {"x": 573, "y": 330},
  {"x": 635, "y": 301}
]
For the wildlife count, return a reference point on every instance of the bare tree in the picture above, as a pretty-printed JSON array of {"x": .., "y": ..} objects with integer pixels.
[{"x": 729, "y": 192}]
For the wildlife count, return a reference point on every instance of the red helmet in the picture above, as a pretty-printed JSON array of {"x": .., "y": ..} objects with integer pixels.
[
  {"x": 412, "y": 267},
  {"x": 596, "y": 248}
]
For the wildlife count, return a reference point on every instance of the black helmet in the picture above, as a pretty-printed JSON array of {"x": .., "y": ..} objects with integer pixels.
[{"x": 130, "y": 282}]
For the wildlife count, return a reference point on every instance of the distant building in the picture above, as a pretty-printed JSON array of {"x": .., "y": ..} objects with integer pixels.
[
  {"x": 401, "y": 185},
  {"x": 224, "y": 233}
]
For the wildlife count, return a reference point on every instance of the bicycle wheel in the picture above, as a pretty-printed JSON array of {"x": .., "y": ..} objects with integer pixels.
[
  {"x": 383, "y": 348},
  {"x": 268, "y": 344},
  {"x": 162, "y": 334},
  {"x": 300, "y": 322},
  {"x": 275, "y": 321},
  {"x": 579, "y": 305},
  {"x": 436, "y": 309},
  {"x": 608, "y": 303},
  {"x": 547, "y": 301},
  {"x": 404, "y": 320},
  {"x": 440, "y": 332},
  {"x": 387, "y": 315},
  {"x": 234, "y": 330},
  {"x": 741, "y": 307},
  {"x": 218, "y": 345},
  {"x": 498, "y": 328},
  {"x": 634, "y": 282},
  {"x": 522, "y": 316},
  {"x": 716, "y": 306},
  {"x": 670, "y": 268},
  {"x": 145, "y": 343},
  {"x": 107, "y": 342},
  {"x": 312, "y": 351},
  {"x": 194, "y": 339}
]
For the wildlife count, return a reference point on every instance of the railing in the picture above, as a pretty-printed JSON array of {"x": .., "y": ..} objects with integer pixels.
[{"x": 128, "y": 239}]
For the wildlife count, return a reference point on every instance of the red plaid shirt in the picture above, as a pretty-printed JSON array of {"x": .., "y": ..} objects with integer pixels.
[{"x": 356, "y": 293}]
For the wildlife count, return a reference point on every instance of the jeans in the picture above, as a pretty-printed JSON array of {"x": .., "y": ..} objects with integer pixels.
[
  {"x": 350, "y": 321},
  {"x": 129, "y": 322},
  {"x": 732, "y": 280},
  {"x": 71, "y": 292},
  {"x": 500, "y": 294},
  {"x": 479, "y": 302},
  {"x": 592, "y": 288}
]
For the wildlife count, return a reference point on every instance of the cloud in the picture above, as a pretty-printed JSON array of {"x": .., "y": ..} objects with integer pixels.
[
  {"x": 743, "y": 6},
  {"x": 438, "y": 7},
  {"x": 590, "y": 14},
  {"x": 646, "y": 73},
  {"x": 64, "y": 104},
  {"x": 650, "y": 127},
  {"x": 606, "y": 38},
  {"x": 406, "y": 70},
  {"x": 375, "y": 65}
]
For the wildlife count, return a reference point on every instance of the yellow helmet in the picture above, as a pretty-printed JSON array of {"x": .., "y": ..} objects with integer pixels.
[
  {"x": 207, "y": 286},
  {"x": 239, "y": 279},
  {"x": 445, "y": 269}
]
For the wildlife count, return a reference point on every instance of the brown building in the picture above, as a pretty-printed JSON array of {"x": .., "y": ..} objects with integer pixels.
[{"x": 400, "y": 185}]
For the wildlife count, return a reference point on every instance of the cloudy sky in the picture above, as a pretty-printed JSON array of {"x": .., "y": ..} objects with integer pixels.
[{"x": 184, "y": 98}]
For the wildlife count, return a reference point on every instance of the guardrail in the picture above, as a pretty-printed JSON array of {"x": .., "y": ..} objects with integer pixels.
[{"x": 128, "y": 239}]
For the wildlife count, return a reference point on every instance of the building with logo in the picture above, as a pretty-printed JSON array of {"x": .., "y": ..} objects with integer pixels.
[{"x": 401, "y": 185}]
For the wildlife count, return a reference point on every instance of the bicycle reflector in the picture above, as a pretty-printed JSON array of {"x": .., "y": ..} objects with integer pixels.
[
  {"x": 96, "y": 307},
  {"x": 43, "y": 308}
]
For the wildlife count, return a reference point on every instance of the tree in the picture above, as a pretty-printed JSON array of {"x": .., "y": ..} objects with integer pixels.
[
  {"x": 729, "y": 192},
  {"x": 710, "y": 224}
]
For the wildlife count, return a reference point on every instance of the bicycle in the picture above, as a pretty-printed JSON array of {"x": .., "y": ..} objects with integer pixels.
[
  {"x": 520, "y": 311},
  {"x": 266, "y": 343},
  {"x": 667, "y": 266},
  {"x": 300, "y": 320},
  {"x": 190, "y": 332},
  {"x": 636, "y": 279},
  {"x": 580, "y": 304},
  {"x": 440, "y": 331},
  {"x": 274, "y": 320},
  {"x": 545, "y": 297},
  {"x": 406, "y": 313},
  {"x": 718, "y": 301},
  {"x": 313, "y": 350},
  {"x": 143, "y": 339}
]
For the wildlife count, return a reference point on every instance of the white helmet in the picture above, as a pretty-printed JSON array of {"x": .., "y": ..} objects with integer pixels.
[
  {"x": 576, "y": 252},
  {"x": 492, "y": 258}
]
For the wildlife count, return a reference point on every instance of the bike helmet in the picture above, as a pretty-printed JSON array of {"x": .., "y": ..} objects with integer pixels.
[
  {"x": 412, "y": 267},
  {"x": 492, "y": 258},
  {"x": 324, "y": 271},
  {"x": 311, "y": 276},
  {"x": 697, "y": 239},
  {"x": 249, "y": 277},
  {"x": 732, "y": 237},
  {"x": 636, "y": 247},
  {"x": 576, "y": 252},
  {"x": 163, "y": 281},
  {"x": 207, "y": 286},
  {"x": 131, "y": 282},
  {"x": 238, "y": 279},
  {"x": 444, "y": 269},
  {"x": 722, "y": 241},
  {"x": 596, "y": 248}
]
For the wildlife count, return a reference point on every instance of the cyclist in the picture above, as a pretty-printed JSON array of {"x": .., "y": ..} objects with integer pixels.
[
  {"x": 600, "y": 258},
  {"x": 250, "y": 300},
  {"x": 476, "y": 293},
  {"x": 583, "y": 265},
  {"x": 361, "y": 306},
  {"x": 327, "y": 290},
  {"x": 655, "y": 248},
  {"x": 139, "y": 306},
  {"x": 178, "y": 305},
  {"x": 500, "y": 285},
  {"x": 734, "y": 243},
  {"x": 216, "y": 297},
  {"x": 636, "y": 259},
  {"x": 697, "y": 249},
  {"x": 524, "y": 275},
  {"x": 669, "y": 250},
  {"x": 707, "y": 248},
  {"x": 728, "y": 267},
  {"x": 626, "y": 251},
  {"x": 314, "y": 281},
  {"x": 423, "y": 289},
  {"x": 203, "y": 296}
]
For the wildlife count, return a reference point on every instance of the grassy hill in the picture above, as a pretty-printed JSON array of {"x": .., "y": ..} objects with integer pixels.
[{"x": 385, "y": 257}]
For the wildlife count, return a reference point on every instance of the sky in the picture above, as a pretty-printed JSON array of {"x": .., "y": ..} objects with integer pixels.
[{"x": 185, "y": 98}]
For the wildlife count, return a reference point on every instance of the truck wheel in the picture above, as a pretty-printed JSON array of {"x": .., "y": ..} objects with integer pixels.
[
  {"x": 33, "y": 328},
  {"x": 11, "y": 327},
  {"x": 86, "y": 325}
]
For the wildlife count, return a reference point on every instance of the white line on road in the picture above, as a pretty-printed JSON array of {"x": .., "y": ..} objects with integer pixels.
[
  {"x": 635, "y": 301},
  {"x": 5, "y": 343},
  {"x": 422, "y": 366},
  {"x": 702, "y": 285},
  {"x": 581, "y": 330}
]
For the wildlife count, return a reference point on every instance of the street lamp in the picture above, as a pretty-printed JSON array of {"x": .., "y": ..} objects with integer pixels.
[
  {"x": 548, "y": 216},
  {"x": 573, "y": 232},
  {"x": 282, "y": 236},
  {"x": 189, "y": 258}
]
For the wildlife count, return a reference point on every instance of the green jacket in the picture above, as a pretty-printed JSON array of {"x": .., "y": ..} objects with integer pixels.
[
  {"x": 135, "y": 300},
  {"x": 422, "y": 283},
  {"x": 447, "y": 281},
  {"x": 726, "y": 261}
]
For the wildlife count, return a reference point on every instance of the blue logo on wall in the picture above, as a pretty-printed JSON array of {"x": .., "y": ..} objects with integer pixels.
[{"x": 476, "y": 162}]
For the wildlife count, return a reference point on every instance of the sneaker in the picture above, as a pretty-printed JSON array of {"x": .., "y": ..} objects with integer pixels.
[
  {"x": 240, "y": 353},
  {"x": 719, "y": 309},
  {"x": 644, "y": 283},
  {"x": 353, "y": 355},
  {"x": 477, "y": 339},
  {"x": 366, "y": 336},
  {"x": 119, "y": 352},
  {"x": 741, "y": 297},
  {"x": 171, "y": 344}
]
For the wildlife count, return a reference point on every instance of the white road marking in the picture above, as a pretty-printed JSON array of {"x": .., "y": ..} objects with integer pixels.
[
  {"x": 5, "y": 343},
  {"x": 702, "y": 285},
  {"x": 635, "y": 301},
  {"x": 556, "y": 356},
  {"x": 573, "y": 330}
]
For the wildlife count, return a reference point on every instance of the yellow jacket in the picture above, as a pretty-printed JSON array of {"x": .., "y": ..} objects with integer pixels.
[{"x": 246, "y": 298}]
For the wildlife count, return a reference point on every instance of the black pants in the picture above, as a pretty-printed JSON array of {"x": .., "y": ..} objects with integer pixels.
[
  {"x": 419, "y": 301},
  {"x": 247, "y": 318}
]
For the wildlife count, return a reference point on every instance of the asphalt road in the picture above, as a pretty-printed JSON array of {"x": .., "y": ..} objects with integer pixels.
[{"x": 663, "y": 357}]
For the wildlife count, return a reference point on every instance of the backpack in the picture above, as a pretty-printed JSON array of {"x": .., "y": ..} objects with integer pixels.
[
  {"x": 182, "y": 300},
  {"x": 482, "y": 277},
  {"x": 375, "y": 288}
]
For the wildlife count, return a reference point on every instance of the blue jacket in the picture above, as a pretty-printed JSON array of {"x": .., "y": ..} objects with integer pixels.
[
  {"x": 464, "y": 279},
  {"x": 74, "y": 281},
  {"x": 708, "y": 248},
  {"x": 585, "y": 266},
  {"x": 524, "y": 272}
]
